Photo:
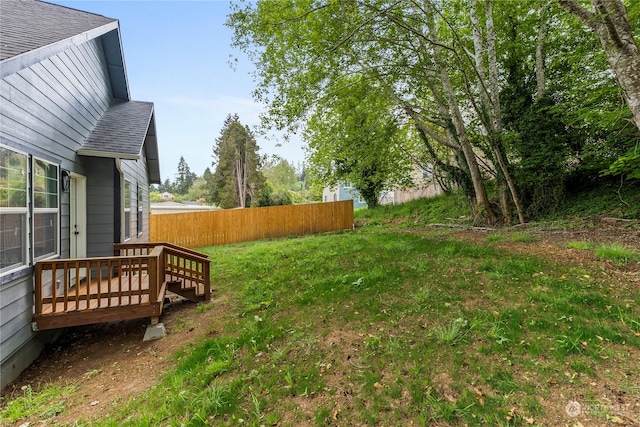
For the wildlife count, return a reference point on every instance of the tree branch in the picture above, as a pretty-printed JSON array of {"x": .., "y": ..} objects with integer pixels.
[
  {"x": 586, "y": 17},
  {"x": 605, "y": 15}
]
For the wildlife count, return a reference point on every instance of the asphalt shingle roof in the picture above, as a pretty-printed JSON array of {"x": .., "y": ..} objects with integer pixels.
[
  {"x": 121, "y": 131},
  {"x": 27, "y": 25}
]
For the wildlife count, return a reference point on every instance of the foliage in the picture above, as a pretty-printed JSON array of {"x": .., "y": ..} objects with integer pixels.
[
  {"x": 354, "y": 137},
  {"x": 155, "y": 197},
  {"x": 270, "y": 197},
  {"x": 183, "y": 182},
  {"x": 540, "y": 170},
  {"x": 627, "y": 165},
  {"x": 166, "y": 186},
  {"x": 184, "y": 178},
  {"x": 280, "y": 173},
  {"x": 237, "y": 180},
  {"x": 337, "y": 67}
]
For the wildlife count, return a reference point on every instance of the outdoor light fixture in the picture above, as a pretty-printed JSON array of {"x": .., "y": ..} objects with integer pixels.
[{"x": 65, "y": 178}]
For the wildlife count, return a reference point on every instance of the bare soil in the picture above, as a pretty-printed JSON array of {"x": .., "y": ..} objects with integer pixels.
[{"x": 109, "y": 363}]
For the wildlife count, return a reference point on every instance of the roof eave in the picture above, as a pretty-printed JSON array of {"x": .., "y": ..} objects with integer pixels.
[
  {"x": 151, "y": 151},
  {"x": 108, "y": 154},
  {"x": 114, "y": 55}
]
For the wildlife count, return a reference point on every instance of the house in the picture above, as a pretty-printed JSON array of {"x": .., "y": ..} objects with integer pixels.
[
  {"x": 343, "y": 191},
  {"x": 424, "y": 186},
  {"x": 77, "y": 156}
]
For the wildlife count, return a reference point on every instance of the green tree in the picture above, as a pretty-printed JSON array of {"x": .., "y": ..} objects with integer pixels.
[
  {"x": 354, "y": 136},
  {"x": 166, "y": 187},
  {"x": 184, "y": 178},
  {"x": 305, "y": 52},
  {"x": 447, "y": 66},
  {"x": 280, "y": 173},
  {"x": 237, "y": 178},
  {"x": 281, "y": 182},
  {"x": 609, "y": 21}
]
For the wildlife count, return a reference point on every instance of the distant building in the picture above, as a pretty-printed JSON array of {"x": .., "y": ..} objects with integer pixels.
[
  {"x": 424, "y": 186},
  {"x": 343, "y": 191}
]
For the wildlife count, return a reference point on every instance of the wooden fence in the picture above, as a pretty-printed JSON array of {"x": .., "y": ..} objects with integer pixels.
[{"x": 221, "y": 227}]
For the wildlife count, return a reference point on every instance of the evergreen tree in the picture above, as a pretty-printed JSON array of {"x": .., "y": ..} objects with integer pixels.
[
  {"x": 184, "y": 178},
  {"x": 237, "y": 179},
  {"x": 166, "y": 187}
]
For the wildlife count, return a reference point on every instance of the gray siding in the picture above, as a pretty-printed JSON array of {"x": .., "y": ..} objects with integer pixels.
[
  {"x": 101, "y": 206},
  {"x": 48, "y": 105},
  {"x": 48, "y": 110},
  {"x": 136, "y": 173},
  {"x": 20, "y": 346}
]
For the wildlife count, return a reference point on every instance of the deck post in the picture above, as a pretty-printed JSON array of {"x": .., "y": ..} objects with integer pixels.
[
  {"x": 38, "y": 288},
  {"x": 155, "y": 275},
  {"x": 207, "y": 281}
]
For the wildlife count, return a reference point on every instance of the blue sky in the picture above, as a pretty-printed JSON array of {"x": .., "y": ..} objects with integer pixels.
[{"x": 177, "y": 55}]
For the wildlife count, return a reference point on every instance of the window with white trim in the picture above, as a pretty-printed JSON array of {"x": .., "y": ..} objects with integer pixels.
[
  {"x": 127, "y": 210},
  {"x": 13, "y": 209},
  {"x": 45, "y": 209}
]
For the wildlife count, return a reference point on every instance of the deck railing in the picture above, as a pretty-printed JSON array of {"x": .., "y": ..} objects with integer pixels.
[
  {"x": 131, "y": 284},
  {"x": 189, "y": 267}
]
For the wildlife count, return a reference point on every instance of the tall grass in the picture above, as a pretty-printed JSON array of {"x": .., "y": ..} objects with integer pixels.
[{"x": 617, "y": 253}]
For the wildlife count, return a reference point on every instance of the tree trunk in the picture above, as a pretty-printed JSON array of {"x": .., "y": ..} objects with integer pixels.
[
  {"x": 496, "y": 113},
  {"x": 241, "y": 181},
  {"x": 610, "y": 23},
  {"x": 491, "y": 109},
  {"x": 460, "y": 129}
]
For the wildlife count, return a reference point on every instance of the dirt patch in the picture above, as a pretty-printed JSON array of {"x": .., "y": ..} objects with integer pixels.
[{"x": 110, "y": 363}]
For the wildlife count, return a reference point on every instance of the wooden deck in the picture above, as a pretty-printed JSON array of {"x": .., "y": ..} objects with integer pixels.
[{"x": 131, "y": 284}]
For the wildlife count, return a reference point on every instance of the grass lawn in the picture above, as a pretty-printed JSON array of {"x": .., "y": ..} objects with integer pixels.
[{"x": 392, "y": 326}]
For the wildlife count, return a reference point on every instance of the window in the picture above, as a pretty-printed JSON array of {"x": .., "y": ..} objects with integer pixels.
[
  {"x": 13, "y": 209},
  {"x": 45, "y": 209},
  {"x": 127, "y": 210},
  {"x": 139, "y": 217}
]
